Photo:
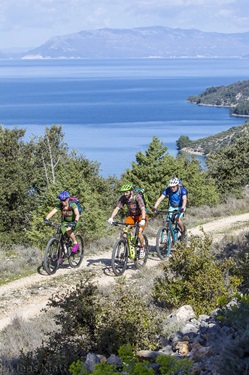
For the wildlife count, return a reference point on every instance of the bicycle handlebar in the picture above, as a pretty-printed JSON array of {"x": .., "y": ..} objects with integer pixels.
[
  {"x": 117, "y": 223},
  {"x": 51, "y": 224}
]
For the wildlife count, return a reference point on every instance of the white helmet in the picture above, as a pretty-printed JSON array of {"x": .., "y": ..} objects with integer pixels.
[{"x": 173, "y": 182}]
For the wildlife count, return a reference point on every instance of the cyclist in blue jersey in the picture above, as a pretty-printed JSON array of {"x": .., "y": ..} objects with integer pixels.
[{"x": 177, "y": 201}]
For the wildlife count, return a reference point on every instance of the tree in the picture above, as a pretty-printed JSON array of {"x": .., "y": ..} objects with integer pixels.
[
  {"x": 151, "y": 170},
  {"x": 183, "y": 141},
  {"x": 155, "y": 168},
  {"x": 16, "y": 175},
  {"x": 229, "y": 167}
]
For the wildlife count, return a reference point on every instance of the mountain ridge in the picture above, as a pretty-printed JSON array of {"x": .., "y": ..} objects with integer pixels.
[{"x": 141, "y": 42}]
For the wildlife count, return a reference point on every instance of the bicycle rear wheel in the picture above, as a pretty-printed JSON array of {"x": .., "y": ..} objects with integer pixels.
[
  {"x": 139, "y": 263},
  {"x": 52, "y": 256},
  {"x": 75, "y": 259},
  {"x": 163, "y": 242},
  {"x": 119, "y": 257}
]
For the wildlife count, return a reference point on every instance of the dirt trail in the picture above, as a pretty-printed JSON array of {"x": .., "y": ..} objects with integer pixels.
[{"x": 25, "y": 298}]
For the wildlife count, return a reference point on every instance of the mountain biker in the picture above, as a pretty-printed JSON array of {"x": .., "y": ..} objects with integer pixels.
[
  {"x": 177, "y": 200},
  {"x": 137, "y": 212},
  {"x": 69, "y": 214}
]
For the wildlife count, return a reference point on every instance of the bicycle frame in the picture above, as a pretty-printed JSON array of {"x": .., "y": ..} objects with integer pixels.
[
  {"x": 132, "y": 241},
  {"x": 173, "y": 226},
  {"x": 167, "y": 235},
  {"x": 128, "y": 247},
  {"x": 59, "y": 248},
  {"x": 64, "y": 240}
]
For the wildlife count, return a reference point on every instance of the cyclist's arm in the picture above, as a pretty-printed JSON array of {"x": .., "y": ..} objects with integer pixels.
[
  {"x": 76, "y": 213},
  {"x": 51, "y": 213},
  {"x": 115, "y": 211},
  {"x": 159, "y": 201},
  {"x": 184, "y": 201}
]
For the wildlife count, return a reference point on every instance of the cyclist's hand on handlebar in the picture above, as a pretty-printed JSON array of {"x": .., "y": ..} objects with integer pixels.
[
  {"x": 182, "y": 210},
  {"x": 142, "y": 223},
  {"x": 110, "y": 221},
  {"x": 154, "y": 210},
  {"x": 74, "y": 223},
  {"x": 47, "y": 222}
]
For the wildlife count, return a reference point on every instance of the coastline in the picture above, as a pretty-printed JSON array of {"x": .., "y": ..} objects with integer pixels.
[
  {"x": 218, "y": 106},
  {"x": 189, "y": 150}
]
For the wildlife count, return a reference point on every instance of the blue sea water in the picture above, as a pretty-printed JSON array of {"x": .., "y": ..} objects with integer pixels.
[{"x": 111, "y": 109}]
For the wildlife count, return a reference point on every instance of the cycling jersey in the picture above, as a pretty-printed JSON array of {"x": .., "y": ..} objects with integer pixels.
[
  {"x": 175, "y": 198},
  {"x": 67, "y": 215},
  {"x": 135, "y": 204}
]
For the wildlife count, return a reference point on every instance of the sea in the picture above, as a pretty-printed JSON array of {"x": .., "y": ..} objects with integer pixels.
[{"x": 110, "y": 110}]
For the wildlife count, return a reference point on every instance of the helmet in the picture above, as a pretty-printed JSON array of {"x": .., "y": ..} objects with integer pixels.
[
  {"x": 173, "y": 182},
  {"x": 63, "y": 195},
  {"x": 126, "y": 187}
]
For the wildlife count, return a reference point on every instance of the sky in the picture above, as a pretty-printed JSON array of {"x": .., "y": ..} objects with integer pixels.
[{"x": 26, "y": 24}]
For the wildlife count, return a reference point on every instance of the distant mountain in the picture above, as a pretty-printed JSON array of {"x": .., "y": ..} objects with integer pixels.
[{"x": 143, "y": 42}]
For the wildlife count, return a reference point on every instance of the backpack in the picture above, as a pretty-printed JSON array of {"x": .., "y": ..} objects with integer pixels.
[
  {"x": 180, "y": 189},
  {"x": 141, "y": 192},
  {"x": 76, "y": 200},
  {"x": 181, "y": 185}
]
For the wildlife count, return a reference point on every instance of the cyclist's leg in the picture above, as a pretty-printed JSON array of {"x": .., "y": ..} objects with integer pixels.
[
  {"x": 142, "y": 228},
  {"x": 69, "y": 232},
  {"x": 129, "y": 220},
  {"x": 180, "y": 224}
]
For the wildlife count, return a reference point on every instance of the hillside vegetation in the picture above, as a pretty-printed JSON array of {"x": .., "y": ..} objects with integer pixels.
[
  {"x": 213, "y": 143},
  {"x": 33, "y": 174},
  {"x": 235, "y": 96},
  {"x": 89, "y": 319}
]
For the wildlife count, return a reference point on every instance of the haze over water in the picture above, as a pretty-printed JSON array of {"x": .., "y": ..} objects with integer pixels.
[{"x": 111, "y": 109}]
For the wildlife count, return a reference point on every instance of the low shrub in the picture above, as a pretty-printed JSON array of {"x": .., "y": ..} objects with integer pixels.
[
  {"x": 195, "y": 277},
  {"x": 93, "y": 322}
]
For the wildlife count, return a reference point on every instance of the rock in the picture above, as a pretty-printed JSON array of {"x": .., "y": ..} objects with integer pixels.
[
  {"x": 149, "y": 354},
  {"x": 184, "y": 313},
  {"x": 114, "y": 360},
  {"x": 182, "y": 347},
  {"x": 91, "y": 360}
]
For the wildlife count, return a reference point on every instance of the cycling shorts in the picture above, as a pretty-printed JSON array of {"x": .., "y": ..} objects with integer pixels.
[{"x": 134, "y": 219}]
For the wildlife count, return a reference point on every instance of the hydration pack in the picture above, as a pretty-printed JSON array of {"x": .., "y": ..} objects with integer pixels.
[
  {"x": 75, "y": 200},
  {"x": 141, "y": 192}
]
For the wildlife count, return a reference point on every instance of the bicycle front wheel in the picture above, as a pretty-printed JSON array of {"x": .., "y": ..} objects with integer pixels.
[
  {"x": 75, "y": 259},
  {"x": 140, "y": 262},
  {"x": 163, "y": 242},
  {"x": 119, "y": 257},
  {"x": 51, "y": 256}
]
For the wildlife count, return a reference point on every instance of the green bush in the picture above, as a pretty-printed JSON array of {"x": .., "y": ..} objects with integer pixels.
[
  {"x": 171, "y": 366},
  {"x": 133, "y": 366},
  {"x": 195, "y": 277},
  {"x": 89, "y": 321}
]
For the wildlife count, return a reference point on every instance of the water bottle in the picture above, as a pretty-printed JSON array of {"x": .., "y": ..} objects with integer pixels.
[{"x": 65, "y": 248}]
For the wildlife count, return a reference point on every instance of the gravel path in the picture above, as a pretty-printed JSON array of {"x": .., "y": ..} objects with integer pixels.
[{"x": 26, "y": 297}]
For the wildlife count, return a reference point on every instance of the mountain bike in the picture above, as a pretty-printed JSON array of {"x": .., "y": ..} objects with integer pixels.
[
  {"x": 128, "y": 247},
  {"x": 168, "y": 234},
  {"x": 59, "y": 248}
]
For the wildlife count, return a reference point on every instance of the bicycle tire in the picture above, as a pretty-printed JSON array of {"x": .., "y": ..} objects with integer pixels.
[
  {"x": 75, "y": 259},
  {"x": 140, "y": 263},
  {"x": 52, "y": 256},
  {"x": 119, "y": 257},
  {"x": 163, "y": 242}
]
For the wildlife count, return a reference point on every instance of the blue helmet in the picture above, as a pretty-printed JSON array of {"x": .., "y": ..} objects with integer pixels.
[{"x": 63, "y": 195}]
